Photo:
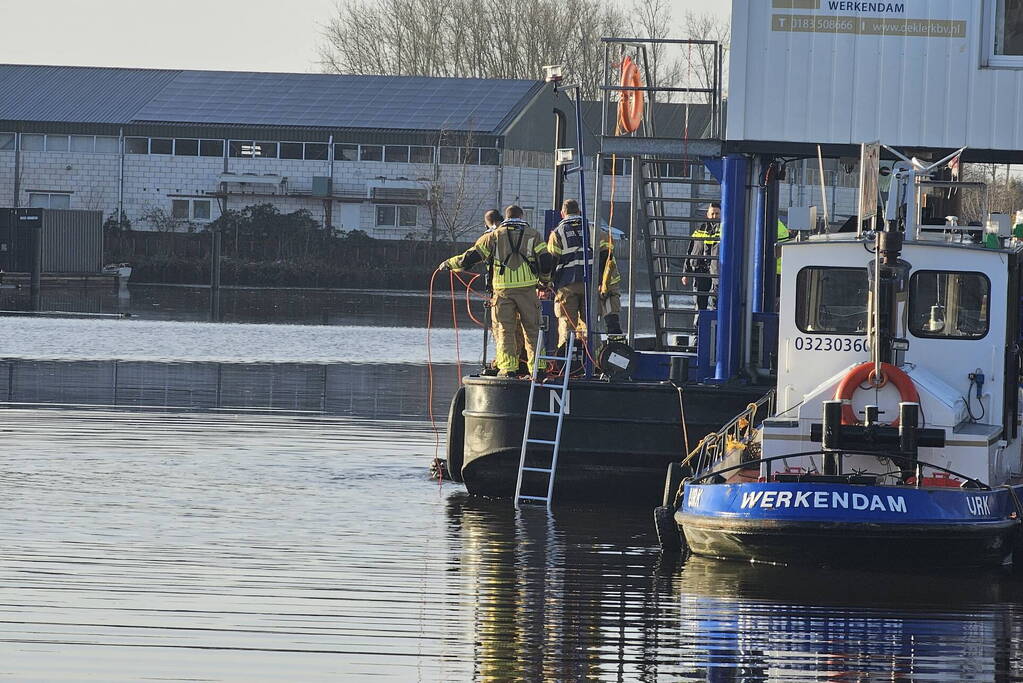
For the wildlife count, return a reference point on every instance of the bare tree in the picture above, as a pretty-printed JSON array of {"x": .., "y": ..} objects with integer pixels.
[
  {"x": 454, "y": 202},
  {"x": 1004, "y": 192},
  {"x": 473, "y": 38},
  {"x": 699, "y": 60}
]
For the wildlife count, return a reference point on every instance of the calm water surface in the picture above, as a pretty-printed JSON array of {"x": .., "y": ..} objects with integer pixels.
[
  {"x": 255, "y": 548},
  {"x": 221, "y": 546}
]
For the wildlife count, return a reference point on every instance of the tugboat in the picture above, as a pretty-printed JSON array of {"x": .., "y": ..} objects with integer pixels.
[{"x": 895, "y": 437}]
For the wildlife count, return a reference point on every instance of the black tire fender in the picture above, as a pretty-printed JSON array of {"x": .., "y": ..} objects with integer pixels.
[
  {"x": 455, "y": 442},
  {"x": 673, "y": 480}
]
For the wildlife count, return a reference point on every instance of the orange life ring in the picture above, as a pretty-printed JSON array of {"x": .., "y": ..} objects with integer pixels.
[
  {"x": 630, "y": 102},
  {"x": 862, "y": 372}
]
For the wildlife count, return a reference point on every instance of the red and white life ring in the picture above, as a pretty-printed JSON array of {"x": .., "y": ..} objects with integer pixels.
[
  {"x": 630, "y": 104},
  {"x": 864, "y": 373}
]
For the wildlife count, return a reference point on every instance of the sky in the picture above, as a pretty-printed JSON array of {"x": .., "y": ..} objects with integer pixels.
[{"x": 236, "y": 35}]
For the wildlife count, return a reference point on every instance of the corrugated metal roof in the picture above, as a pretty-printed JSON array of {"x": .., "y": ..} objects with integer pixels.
[
  {"x": 95, "y": 95},
  {"x": 77, "y": 94}
]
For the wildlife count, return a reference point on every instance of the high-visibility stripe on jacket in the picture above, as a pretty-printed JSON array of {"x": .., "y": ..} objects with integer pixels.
[
  {"x": 566, "y": 243},
  {"x": 512, "y": 250}
]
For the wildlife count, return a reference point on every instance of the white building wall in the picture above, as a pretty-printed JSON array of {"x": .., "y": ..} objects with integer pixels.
[
  {"x": 152, "y": 182},
  {"x": 90, "y": 178},
  {"x": 7, "y": 159}
]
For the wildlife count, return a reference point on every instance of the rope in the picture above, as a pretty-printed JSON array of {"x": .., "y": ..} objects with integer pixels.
[
  {"x": 469, "y": 290},
  {"x": 429, "y": 382},
  {"x": 454, "y": 320}
]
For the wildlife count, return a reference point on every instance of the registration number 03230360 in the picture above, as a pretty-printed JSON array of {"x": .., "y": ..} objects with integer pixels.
[{"x": 831, "y": 344}]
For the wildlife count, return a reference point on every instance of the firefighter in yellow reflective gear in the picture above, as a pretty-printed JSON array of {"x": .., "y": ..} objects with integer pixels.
[
  {"x": 517, "y": 257},
  {"x": 566, "y": 245}
]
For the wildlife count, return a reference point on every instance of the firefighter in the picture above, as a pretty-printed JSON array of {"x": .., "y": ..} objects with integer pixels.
[
  {"x": 517, "y": 257},
  {"x": 703, "y": 256},
  {"x": 492, "y": 219},
  {"x": 566, "y": 245}
]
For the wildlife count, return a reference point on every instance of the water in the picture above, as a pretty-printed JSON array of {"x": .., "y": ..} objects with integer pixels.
[{"x": 270, "y": 547}]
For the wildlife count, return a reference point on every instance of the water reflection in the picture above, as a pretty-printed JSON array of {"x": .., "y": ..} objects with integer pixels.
[
  {"x": 377, "y": 308},
  {"x": 584, "y": 595}
]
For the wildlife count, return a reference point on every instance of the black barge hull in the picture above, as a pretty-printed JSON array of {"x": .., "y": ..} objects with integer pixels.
[
  {"x": 843, "y": 544},
  {"x": 617, "y": 438}
]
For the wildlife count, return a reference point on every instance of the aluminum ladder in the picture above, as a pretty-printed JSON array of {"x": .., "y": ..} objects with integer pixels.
[
  {"x": 559, "y": 406},
  {"x": 675, "y": 308}
]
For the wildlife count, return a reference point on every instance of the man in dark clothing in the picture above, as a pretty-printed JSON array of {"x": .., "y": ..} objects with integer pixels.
[{"x": 703, "y": 256}]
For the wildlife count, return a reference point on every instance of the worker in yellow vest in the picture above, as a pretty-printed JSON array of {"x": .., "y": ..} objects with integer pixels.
[
  {"x": 517, "y": 256},
  {"x": 566, "y": 246}
]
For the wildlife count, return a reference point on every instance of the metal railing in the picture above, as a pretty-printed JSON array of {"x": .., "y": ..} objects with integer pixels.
[{"x": 714, "y": 447}]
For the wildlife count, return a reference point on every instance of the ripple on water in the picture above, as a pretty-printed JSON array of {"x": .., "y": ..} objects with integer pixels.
[{"x": 244, "y": 547}]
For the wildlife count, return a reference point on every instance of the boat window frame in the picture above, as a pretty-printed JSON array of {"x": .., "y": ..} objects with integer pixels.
[
  {"x": 800, "y": 305},
  {"x": 910, "y": 301}
]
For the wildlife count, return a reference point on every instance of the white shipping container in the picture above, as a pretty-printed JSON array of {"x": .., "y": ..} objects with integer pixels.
[{"x": 911, "y": 73}]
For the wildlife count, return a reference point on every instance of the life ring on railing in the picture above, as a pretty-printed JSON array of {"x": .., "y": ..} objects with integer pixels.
[
  {"x": 630, "y": 103},
  {"x": 864, "y": 372}
]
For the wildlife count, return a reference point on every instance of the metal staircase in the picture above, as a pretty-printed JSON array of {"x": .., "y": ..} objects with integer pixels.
[
  {"x": 558, "y": 406},
  {"x": 668, "y": 223},
  {"x": 666, "y": 216}
]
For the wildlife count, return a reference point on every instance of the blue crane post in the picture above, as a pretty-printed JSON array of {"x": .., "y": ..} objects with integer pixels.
[{"x": 733, "y": 229}]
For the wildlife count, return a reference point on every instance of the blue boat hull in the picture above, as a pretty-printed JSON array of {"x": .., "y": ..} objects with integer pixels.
[{"x": 847, "y": 525}]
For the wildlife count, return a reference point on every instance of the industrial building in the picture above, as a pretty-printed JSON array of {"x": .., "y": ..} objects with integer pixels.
[{"x": 396, "y": 157}]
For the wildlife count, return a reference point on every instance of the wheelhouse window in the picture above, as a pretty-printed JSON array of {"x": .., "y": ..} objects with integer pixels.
[
  {"x": 832, "y": 300},
  {"x": 949, "y": 304}
]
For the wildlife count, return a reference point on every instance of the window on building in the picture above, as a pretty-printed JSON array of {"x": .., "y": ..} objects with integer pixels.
[
  {"x": 234, "y": 147},
  {"x": 346, "y": 152},
  {"x": 949, "y": 305},
  {"x": 290, "y": 150},
  {"x": 211, "y": 148},
  {"x": 7, "y": 141},
  {"x": 161, "y": 146},
  {"x": 201, "y": 209},
  {"x": 461, "y": 155},
  {"x": 1005, "y": 25},
  {"x": 371, "y": 153},
  {"x": 49, "y": 200},
  {"x": 392, "y": 216},
  {"x": 386, "y": 216},
  {"x": 421, "y": 155},
  {"x": 136, "y": 145},
  {"x": 33, "y": 142},
  {"x": 450, "y": 155},
  {"x": 267, "y": 150},
  {"x": 107, "y": 144},
  {"x": 184, "y": 147},
  {"x": 83, "y": 143},
  {"x": 408, "y": 216},
  {"x": 179, "y": 209},
  {"x": 316, "y": 151},
  {"x": 616, "y": 166},
  {"x": 398, "y": 153},
  {"x": 488, "y": 156},
  {"x": 832, "y": 300},
  {"x": 56, "y": 143}
]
